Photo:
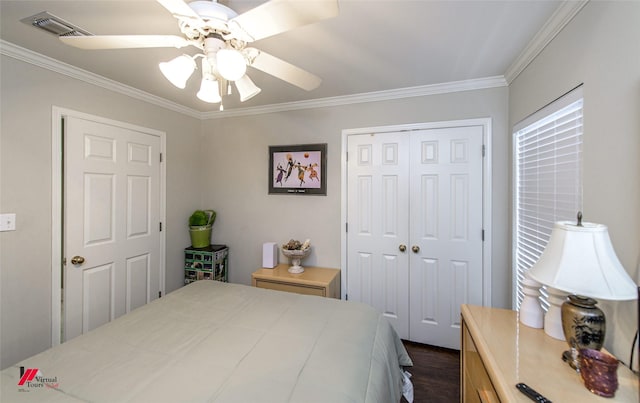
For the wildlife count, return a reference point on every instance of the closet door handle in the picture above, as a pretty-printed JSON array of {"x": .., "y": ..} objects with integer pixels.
[
  {"x": 402, "y": 247},
  {"x": 415, "y": 248}
]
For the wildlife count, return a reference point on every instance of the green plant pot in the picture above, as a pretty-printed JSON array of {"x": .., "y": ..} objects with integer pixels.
[{"x": 200, "y": 236}]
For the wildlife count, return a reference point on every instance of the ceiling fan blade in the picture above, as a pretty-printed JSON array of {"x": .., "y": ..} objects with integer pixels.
[
  {"x": 179, "y": 8},
  {"x": 276, "y": 16},
  {"x": 283, "y": 70},
  {"x": 125, "y": 41}
]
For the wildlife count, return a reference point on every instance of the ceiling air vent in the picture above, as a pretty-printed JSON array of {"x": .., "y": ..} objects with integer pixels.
[{"x": 55, "y": 25}]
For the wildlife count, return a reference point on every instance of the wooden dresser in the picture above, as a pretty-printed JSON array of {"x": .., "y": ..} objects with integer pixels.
[
  {"x": 497, "y": 352},
  {"x": 319, "y": 281}
]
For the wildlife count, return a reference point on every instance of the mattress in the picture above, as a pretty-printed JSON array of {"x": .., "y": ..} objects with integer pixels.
[{"x": 219, "y": 342}]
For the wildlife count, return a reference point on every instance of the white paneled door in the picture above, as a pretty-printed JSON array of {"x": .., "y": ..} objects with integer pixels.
[
  {"x": 111, "y": 222},
  {"x": 414, "y": 235},
  {"x": 378, "y": 225}
]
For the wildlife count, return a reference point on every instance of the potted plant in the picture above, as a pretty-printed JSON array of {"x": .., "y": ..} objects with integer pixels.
[{"x": 200, "y": 224}]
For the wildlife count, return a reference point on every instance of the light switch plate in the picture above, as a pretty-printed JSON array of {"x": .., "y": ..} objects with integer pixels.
[{"x": 8, "y": 222}]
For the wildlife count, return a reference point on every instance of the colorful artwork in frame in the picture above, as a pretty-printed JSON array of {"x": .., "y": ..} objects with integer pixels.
[{"x": 298, "y": 169}]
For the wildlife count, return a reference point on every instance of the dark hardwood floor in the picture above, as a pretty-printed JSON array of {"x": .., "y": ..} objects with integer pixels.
[{"x": 435, "y": 373}]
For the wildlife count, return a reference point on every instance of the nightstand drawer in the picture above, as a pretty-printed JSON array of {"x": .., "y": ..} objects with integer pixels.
[
  {"x": 288, "y": 287},
  {"x": 320, "y": 281}
]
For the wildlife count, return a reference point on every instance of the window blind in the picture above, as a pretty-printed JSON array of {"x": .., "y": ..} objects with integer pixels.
[{"x": 548, "y": 179}]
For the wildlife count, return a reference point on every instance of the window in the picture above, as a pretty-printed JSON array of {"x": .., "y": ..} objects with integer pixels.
[{"x": 547, "y": 179}]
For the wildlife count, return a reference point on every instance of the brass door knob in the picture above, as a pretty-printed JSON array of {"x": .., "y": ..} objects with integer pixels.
[
  {"x": 77, "y": 260},
  {"x": 402, "y": 247},
  {"x": 415, "y": 248}
]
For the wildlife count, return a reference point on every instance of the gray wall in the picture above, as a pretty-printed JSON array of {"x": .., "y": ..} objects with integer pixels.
[
  {"x": 217, "y": 164},
  {"x": 600, "y": 49},
  {"x": 237, "y": 155},
  {"x": 28, "y": 94},
  {"x": 221, "y": 164}
]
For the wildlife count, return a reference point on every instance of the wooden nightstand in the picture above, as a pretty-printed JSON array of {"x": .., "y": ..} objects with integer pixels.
[
  {"x": 498, "y": 352},
  {"x": 319, "y": 281}
]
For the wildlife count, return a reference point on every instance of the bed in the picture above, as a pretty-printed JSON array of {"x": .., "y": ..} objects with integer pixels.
[{"x": 218, "y": 342}]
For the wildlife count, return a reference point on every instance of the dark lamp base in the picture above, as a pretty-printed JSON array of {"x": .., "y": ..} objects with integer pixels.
[{"x": 584, "y": 326}]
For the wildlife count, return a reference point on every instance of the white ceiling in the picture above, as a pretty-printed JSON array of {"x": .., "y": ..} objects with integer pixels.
[{"x": 371, "y": 46}]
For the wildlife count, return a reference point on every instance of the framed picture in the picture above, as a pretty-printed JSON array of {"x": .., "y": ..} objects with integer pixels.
[{"x": 298, "y": 169}]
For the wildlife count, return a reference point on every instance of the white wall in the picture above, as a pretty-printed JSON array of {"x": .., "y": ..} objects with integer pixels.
[
  {"x": 237, "y": 159},
  {"x": 28, "y": 94},
  {"x": 600, "y": 48}
]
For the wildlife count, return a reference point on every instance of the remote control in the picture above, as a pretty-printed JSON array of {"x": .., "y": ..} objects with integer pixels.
[{"x": 532, "y": 394}]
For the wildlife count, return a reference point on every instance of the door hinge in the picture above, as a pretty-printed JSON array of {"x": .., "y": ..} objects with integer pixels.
[
  {"x": 160, "y": 226},
  {"x": 484, "y": 150},
  {"x": 160, "y": 157},
  {"x": 346, "y": 227},
  {"x": 483, "y": 235},
  {"x": 346, "y": 297},
  {"x": 159, "y": 294},
  {"x": 346, "y": 156}
]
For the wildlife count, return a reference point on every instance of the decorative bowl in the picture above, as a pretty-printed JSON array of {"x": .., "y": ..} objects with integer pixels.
[
  {"x": 599, "y": 372},
  {"x": 296, "y": 256}
]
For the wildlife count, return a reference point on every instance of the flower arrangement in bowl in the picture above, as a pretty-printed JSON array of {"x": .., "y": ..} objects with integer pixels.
[{"x": 296, "y": 251}]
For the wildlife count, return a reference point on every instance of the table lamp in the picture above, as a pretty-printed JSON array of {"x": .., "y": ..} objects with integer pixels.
[{"x": 579, "y": 260}]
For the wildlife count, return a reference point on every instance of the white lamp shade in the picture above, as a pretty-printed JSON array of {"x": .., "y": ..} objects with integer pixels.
[
  {"x": 209, "y": 91},
  {"x": 581, "y": 260},
  {"x": 246, "y": 88},
  {"x": 178, "y": 70},
  {"x": 231, "y": 64}
]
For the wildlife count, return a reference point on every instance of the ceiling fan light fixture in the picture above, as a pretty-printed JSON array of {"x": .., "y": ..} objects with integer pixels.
[
  {"x": 220, "y": 34},
  {"x": 178, "y": 70},
  {"x": 231, "y": 64},
  {"x": 209, "y": 91},
  {"x": 246, "y": 88}
]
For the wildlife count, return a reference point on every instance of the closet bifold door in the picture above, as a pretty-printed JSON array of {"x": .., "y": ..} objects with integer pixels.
[
  {"x": 378, "y": 216},
  {"x": 414, "y": 238}
]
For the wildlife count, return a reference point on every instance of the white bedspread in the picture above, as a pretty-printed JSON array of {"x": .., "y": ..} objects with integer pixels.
[{"x": 219, "y": 342}]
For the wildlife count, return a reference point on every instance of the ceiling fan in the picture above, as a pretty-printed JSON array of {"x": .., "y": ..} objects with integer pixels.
[{"x": 223, "y": 37}]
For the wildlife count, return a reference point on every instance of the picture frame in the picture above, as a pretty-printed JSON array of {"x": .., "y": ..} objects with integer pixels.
[{"x": 298, "y": 169}]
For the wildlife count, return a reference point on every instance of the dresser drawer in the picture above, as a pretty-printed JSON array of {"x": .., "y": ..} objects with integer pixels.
[{"x": 476, "y": 384}]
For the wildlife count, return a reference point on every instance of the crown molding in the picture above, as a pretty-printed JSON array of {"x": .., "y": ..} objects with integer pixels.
[
  {"x": 400, "y": 93},
  {"x": 558, "y": 20},
  {"x": 37, "y": 59},
  {"x": 40, "y": 60}
]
